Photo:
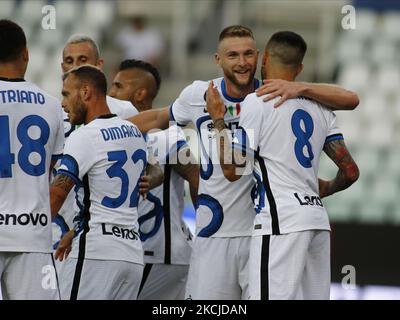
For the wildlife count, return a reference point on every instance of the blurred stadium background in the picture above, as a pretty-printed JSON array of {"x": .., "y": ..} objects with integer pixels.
[{"x": 366, "y": 217}]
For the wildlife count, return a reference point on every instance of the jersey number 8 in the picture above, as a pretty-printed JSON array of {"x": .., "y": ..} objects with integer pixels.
[{"x": 303, "y": 136}]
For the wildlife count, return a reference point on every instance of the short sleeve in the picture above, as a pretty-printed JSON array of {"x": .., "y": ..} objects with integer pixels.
[
  {"x": 333, "y": 133},
  {"x": 176, "y": 141},
  {"x": 79, "y": 156},
  {"x": 180, "y": 111},
  {"x": 248, "y": 134}
]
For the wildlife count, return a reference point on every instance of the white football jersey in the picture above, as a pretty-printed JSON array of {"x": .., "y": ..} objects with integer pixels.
[
  {"x": 224, "y": 208},
  {"x": 123, "y": 109},
  {"x": 31, "y": 132},
  {"x": 165, "y": 236},
  {"x": 64, "y": 219},
  {"x": 106, "y": 159},
  {"x": 287, "y": 143}
]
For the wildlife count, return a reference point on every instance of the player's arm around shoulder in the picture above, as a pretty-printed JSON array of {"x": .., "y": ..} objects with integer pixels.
[
  {"x": 331, "y": 95},
  {"x": 347, "y": 174},
  {"x": 151, "y": 119}
]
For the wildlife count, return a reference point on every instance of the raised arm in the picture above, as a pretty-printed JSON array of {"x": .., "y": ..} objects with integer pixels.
[
  {"x": 330, "y": 95},
  {"x": 348, "y": 171},
  {"x": 151, "y": 119},
  {"x": 231, "y": 160}
]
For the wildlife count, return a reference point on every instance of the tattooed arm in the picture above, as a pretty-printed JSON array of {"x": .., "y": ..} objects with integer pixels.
[
  {"x": 231, "y": 160},
  {"x": 348, "y": 171},
  {"x": 59, "y": 190}
]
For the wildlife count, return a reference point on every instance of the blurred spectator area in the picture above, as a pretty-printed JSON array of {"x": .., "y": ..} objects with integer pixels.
[{"x": 366, "y": 60}]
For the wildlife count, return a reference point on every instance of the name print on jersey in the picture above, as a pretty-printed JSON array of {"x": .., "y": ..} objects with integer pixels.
[
  {"x": 122, "y": 132},
  {"x": 21, "y": 96}
]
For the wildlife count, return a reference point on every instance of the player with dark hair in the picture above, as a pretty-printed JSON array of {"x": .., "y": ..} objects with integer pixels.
[
  {"x": 225, "y": 213},
  {"x": 105, "y": 159},
  {"x": 31, "y": 139},
  {"x": 290, "y": 247},
  {"x": 166, "y": 238},
  {"x": 138, "y": 82}
]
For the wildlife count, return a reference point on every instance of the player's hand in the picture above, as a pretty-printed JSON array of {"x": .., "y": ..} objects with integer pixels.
[
  {"x": 64, "y": 247},
  {"x": 215, "y": 105},
  {"x": 144, "y": 186},
  {"x": 277, "y": 87}
]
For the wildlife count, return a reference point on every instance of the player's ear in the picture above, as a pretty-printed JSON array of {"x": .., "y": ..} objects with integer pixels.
[
  {"x": 299, "y": 68},
  {"x": 140, "y": 94},
  {"x": 217, "y": 58},
  {"x": 265, "y": 58},
  {"x": 100, "y": 63},
  {"x": 25, "y": 54},
  {"x": 85, "y": 92}
]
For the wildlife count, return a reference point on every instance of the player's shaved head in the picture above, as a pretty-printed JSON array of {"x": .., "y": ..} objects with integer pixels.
[
  {"x": 138, "y": 82},
  {"x": 89, "y": 75},
  {"x": 80, "y": 50},
  {"x": 149, "y": 75},
  {"x": 287, "y": 48},
  {"x": 82, "y": 38}
]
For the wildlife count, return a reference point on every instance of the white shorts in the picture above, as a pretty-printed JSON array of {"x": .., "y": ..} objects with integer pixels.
[
  {"x": 294, "y": 266},
  {"x": 163, "y": 282},
  {"x": 219, "y": 269},
  {"x": 28, "y": 276},
  {"x": 100, "y": 280}
]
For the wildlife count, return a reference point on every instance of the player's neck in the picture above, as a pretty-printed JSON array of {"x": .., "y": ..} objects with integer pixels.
[
  {"x": 280, "y": 74},
  {"x": 238, "y": 92},
  {"x": 11, "y": 71},
  {"x": 98, "y": 107}
]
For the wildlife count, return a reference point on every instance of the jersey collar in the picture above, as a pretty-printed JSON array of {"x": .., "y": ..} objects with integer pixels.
[
  {"x": 12, "y": 79},
  {"x": 227, "y": 97},
  {"x": 107, "y": 116}
]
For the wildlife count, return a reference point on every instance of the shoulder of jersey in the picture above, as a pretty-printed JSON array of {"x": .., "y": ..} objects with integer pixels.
[
  {"x": 196, "y": 94},
  {"x": 117, "y": 103}
]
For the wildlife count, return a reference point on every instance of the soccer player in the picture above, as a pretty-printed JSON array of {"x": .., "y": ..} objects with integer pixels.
[
  {"x": 31, "y": 138},
  {"x": 165, "y": 236},
  {"x": 105, "y": 158},
  {"x": 82, "y": 50},
  {"x": 225, "y": 213},
  {"x": 290, "y": 248}
]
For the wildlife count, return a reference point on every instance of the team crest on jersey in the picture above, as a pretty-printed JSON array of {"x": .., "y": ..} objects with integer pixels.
[{"x": 233, "y": 110}]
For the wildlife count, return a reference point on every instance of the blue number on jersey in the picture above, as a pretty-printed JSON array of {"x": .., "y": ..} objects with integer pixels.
[
  {"x": 28, "y": 146},
  {"x": 156, "y": 212},
  {"x": 303, "y": 137},
  {"x": 138, "y": 155},
  {"x": 217, "y": 215},
  {"x": 116, "y": 170}
]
